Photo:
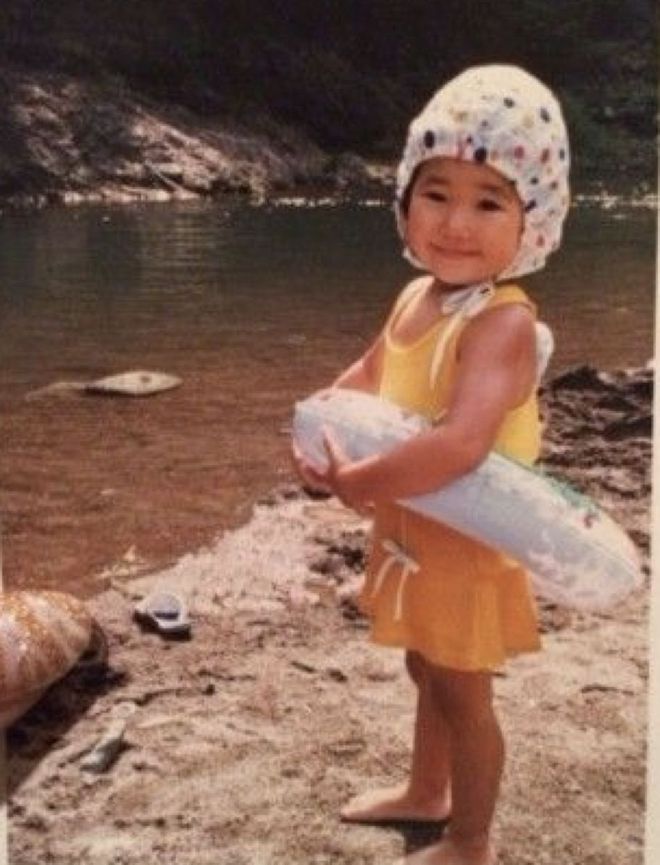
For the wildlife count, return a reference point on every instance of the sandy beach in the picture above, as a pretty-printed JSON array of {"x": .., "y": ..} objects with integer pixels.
[{"x": 242, "y": 743}]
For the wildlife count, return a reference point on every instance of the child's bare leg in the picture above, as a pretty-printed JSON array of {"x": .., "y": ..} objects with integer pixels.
[
  {"x": 426, "y": 795},
  {"x": 477, "y": 759}
]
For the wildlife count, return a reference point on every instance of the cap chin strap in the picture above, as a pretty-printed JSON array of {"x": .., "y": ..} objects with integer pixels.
[{"x": 411, "y": 258}]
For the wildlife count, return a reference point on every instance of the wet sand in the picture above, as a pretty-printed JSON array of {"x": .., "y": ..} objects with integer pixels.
[{"x": 242, "y": 743}]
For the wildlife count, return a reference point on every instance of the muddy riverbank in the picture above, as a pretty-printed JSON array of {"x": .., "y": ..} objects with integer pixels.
[{"x": 243, "y": 742}]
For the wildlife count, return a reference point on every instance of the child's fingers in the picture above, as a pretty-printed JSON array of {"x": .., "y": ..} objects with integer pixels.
[
  {"x": 310, "y": 476},
  {"x": 333, "y": 449},
  {"x": 312, "y": 479},
  {"x": 297, "y": 456},
  {"x": 300, "y": 461}
]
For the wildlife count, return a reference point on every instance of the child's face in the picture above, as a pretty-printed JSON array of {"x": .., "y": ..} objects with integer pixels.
[{"x": 464, "y": 221}]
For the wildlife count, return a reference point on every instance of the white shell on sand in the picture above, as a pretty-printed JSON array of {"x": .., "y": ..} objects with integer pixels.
[
  {"x": 134, "y": 383},
  {"x": 42, "y": 635}
]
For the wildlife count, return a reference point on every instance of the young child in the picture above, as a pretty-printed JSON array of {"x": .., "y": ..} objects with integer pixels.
[{"x": 482, "y": 192}]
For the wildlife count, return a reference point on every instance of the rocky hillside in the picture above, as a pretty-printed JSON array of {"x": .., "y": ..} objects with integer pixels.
[
  {"x": 74, "y": 139},
  {"x": 213, "y": 95}
]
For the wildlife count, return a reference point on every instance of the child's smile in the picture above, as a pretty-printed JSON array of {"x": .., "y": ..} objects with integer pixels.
[{"x": 464, "y": 221}]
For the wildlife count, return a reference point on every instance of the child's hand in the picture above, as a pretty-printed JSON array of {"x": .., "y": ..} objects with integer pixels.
[
  {"x": 333, "y": 478},
  {"x": 336, "y": 476},
  {"x": 306, "y": 472},
  {"x": 310, "y": 476}
]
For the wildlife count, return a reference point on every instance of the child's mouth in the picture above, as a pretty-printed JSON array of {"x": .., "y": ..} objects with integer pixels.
[{"x": 455, "y": 253}]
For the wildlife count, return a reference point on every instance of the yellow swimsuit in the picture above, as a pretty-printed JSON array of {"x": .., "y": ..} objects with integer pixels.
[{"x": 428, "y": 588}]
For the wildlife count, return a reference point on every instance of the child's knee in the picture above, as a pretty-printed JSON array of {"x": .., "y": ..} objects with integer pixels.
[
  {"x": 465, "y": 699},
  {"x": 468, "y": 719}
]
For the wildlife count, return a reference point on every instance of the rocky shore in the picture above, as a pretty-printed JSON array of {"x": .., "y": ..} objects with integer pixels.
[
  {"x": 242, "y": 742},
  {"x": 69, "y": 140}
]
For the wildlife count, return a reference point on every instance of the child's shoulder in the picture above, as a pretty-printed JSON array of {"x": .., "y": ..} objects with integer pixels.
[{"x": 510, "y": 292}]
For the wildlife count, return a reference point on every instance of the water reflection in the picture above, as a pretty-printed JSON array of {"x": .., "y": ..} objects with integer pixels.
[
  {"x": 190, "y": 284},
  {"x": 253, "y": 308}
]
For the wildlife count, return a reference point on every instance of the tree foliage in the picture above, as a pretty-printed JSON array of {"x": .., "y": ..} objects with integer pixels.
[{"x": 349, "y": 72}]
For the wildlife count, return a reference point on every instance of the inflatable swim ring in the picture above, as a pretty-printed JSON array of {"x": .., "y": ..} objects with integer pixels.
[{"x": 575, "y": 553}]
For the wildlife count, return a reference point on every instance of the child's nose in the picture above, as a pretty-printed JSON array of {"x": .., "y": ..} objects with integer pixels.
[{"x": 457, "y": 221}]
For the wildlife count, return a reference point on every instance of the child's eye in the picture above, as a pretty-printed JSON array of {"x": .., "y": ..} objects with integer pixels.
[
  {"x": 489, "y": 204},
  {"x": 435, "y": 196}
]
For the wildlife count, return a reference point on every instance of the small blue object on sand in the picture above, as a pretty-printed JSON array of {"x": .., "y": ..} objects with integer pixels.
[{"x": 165, "y": 612}]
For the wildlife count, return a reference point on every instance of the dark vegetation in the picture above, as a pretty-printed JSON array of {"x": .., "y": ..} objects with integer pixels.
[{"x": 349, "y": 74}]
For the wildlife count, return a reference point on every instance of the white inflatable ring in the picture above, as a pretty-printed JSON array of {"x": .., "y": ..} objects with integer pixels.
[{"x": 575, "y": 553}]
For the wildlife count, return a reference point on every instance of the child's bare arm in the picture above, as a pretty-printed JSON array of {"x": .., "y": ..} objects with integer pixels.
[
  {"x": 365, "y": 373},
  {"x": 495, "y": 373}
]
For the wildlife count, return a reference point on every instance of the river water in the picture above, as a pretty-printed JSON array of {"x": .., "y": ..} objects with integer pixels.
[
  {"x": 296, "y": 291},
  {"x": 270, "y": 302}
]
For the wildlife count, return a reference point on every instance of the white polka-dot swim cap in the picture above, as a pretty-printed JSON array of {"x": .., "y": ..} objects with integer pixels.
[{"x": 503, "y": 117}]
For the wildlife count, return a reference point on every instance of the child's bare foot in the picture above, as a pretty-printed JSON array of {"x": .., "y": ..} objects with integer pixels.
[
  {"x": 394, "y": 804},
  {"x": 449, "y": 852}
]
